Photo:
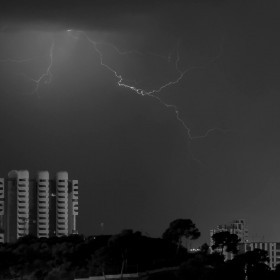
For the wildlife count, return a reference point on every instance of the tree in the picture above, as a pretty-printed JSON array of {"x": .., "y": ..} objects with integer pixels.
[
  {"x": 254, "y": 264},
  {"x": 122, "y": 242},
  {"x": 179, "y": 229},
  {"x": 225, "y": 240},
  {"x": 204, "y": 249}
]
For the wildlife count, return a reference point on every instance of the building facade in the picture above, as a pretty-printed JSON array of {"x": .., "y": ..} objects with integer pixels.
[
  {"x": 272, "y": 248},
  {"x": 237, "y": 227},
  {"x": 42, "y": 207}
]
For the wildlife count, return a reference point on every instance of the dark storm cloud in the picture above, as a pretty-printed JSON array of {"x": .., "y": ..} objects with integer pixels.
[{"x": 96, "y": 14}]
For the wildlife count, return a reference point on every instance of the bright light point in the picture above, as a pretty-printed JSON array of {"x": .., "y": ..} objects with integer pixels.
[{"x": 69, "y": 30}]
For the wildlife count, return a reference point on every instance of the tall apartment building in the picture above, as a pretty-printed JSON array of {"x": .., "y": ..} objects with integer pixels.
[{"x": 42, "y": 206}]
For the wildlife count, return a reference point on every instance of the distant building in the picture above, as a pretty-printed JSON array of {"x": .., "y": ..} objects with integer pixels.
[
  {"x": 273, "y": 249},
  {"x": 42, "y": 207},
  {"x": 237, "y": 227}
]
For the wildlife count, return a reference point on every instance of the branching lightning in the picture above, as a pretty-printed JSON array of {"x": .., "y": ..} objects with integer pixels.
[
  {"x": 155, "y": 93},
  {"x": 47, "y": 77}
]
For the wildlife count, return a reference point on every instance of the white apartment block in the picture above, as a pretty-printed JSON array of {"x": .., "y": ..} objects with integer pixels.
[
  {"x": 43, "y": 204},
  {"x": 42, "y": 207},
  {"x": 22, "y": 203},
  {"x": 61, "y": 203}
]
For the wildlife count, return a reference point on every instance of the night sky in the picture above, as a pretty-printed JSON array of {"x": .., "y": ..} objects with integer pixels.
[{"x": 137, "y": 163}]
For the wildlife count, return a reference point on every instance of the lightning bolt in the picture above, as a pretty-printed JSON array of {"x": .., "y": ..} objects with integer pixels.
[
  {"x": 155, "y": 93},
  {"x": 47, "y": 76}
]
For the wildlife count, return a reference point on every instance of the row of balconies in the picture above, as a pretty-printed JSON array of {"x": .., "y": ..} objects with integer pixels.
[
  {"x": 23, "y": 214},
  {"x": 44, "y": 217},
  {"x": 62, "y": 222},
  {"x": 62, "y": 215}
]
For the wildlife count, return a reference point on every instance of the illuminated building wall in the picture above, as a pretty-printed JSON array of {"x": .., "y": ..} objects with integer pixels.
[
  {"x": 22, "y": 203},
  {"x": 62, "y": 203},
  {"x": 43, "y": 204}
]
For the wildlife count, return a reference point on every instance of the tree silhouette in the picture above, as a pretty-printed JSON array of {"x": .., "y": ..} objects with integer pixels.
[
  {"x": 254, "y": 264},
  {"x": 225, "y": 240},
  {"x": 179, "y": 229}
]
